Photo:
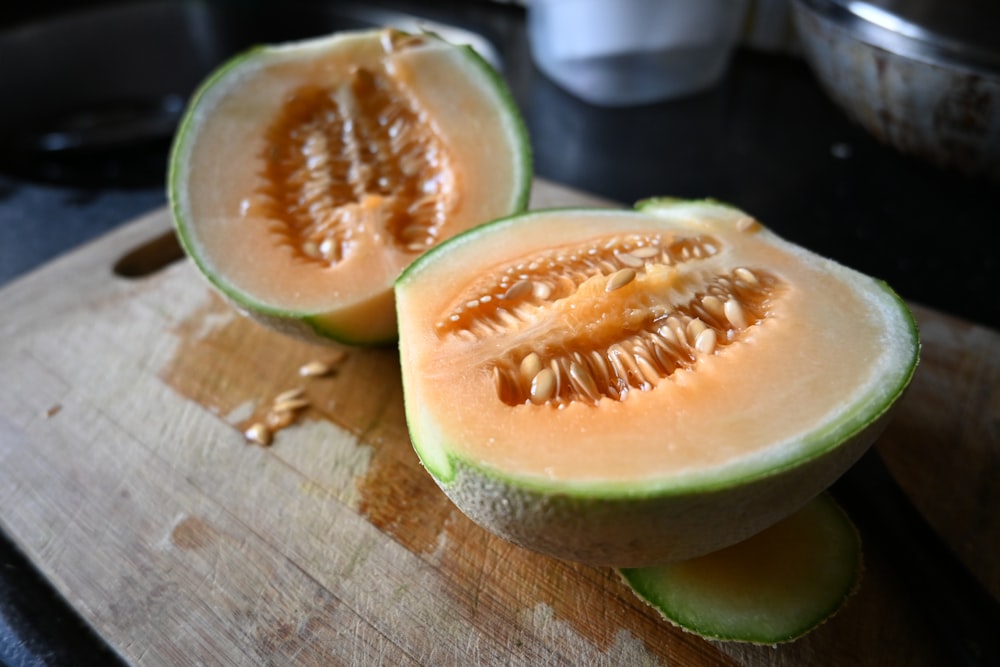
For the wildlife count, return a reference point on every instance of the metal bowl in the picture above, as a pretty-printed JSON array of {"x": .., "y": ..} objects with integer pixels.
[{"x": 921, "y": 76}]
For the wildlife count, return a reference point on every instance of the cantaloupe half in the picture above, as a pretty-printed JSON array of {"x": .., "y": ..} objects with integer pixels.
[
  {"x": 631, "y": 388},
  {"x": 305, "y": 176}
]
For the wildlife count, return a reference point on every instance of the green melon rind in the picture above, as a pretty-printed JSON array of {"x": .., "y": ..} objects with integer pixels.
[
  {"x": 644, "y": 528},
  {"x": 679, "y": 599},
  {"x": 320, "y": 326},
  {"x": 622, "y": 524}
]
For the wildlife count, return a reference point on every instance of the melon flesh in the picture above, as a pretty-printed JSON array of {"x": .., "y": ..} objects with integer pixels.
[
  {"x": 306, "y": 176},
  {"x": 671, "y": 457}
]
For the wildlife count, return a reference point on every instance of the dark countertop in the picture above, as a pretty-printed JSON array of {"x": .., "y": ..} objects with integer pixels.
[{"x": 766, "y": 139}]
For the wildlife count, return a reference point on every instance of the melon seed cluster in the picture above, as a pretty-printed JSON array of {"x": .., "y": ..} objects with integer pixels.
[
  {"x": 286, "y": 407},
  {"x": 651, "y": 338},
  {"x": 337, "y": 159}
]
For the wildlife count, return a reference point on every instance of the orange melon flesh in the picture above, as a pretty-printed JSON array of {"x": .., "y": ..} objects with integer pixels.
[
  {"x": 776, "y": 410},
  {"x": 477, "y": 163}
]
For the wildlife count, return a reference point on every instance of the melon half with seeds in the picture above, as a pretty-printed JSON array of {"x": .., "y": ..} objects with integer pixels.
[
  {"x": 630, "y": 388},
  {"x": 305, "y": 176}
]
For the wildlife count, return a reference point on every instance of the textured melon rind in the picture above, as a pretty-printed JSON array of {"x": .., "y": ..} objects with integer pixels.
[
  {"x": 640, "y": 524},
  {"x": 323, "y": 326},
  {"x": 643, "y": 529},
  {"x": 685, "y": 605}
]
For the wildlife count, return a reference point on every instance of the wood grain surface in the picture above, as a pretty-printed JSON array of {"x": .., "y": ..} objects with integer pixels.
[{"x": 125, "y": 384}]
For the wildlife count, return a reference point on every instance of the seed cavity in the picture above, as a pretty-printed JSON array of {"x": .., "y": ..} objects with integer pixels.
[
  {"x": 356, "y": 154},
  {"x": 644, "y": 336},
  {"x": 517, "y": 292}
]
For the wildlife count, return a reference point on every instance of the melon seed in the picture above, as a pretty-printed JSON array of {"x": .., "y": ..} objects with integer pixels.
[
  {"x": 646, "y": 368},
  {"x": 258, "y": 434},
  {"x": 620, "y": 279},
  {"x": 714, "y": 306},
  {"x": 530, "y": 365},
  {"x": 694, "y": 328},
  {"x": 630, "y": 259},
  {"x": 277, "y": 420},
  {"x": 518, "y": 290},
  {"x": 543, "y": 386},
  {"x": 289, "y": 395},
  {"x": 314, "y": 369},
  {"x": 541, "y": 291},
  {"x": 746, "y": 275},
  {"x": 705, "y": 342},
  {"x": 583, "y": 381},
  {"x": 734, "y": 313},
  {"x": 646, "y": 252},
  {"x": 290, "y": 405}
]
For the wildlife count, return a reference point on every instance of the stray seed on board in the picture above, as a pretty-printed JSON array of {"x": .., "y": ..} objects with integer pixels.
[
  {"x": 258, "y": 434},
  {"x": 291, "y": 405},
  {"x": 314, "y": 369},
  {"x": 289, "y": 395},
  {"x": 279, "y": 420}
]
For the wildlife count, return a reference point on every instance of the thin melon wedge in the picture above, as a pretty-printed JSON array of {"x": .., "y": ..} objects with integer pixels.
[
  {"x": 305, "y": 176},
  {"x": 772, "y": 588},
  {"x": 630, "y": 388}
]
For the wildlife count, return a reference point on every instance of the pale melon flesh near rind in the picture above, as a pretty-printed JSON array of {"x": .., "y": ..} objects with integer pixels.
[
  {"x": 501, "y": 465},
  {"x": 772, "y": 588},
  {"x": 214, "y": 166}
]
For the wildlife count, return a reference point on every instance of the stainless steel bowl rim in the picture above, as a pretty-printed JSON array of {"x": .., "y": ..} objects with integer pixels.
[{"x": 876, "y": 24}]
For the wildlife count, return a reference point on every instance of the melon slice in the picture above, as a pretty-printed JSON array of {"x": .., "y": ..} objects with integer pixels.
[
  {"x": 305, "y": 176},
  {"x": 637, "y": 387},
  {"x": 769, "y": 589}
]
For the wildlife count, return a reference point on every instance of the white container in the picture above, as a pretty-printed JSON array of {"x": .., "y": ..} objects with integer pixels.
[{"x": 628, "y": 52}]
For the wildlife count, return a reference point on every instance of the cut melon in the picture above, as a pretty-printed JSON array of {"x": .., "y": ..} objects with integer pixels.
[
  {"x": 305, "y": 176},
  {"x": 638, "y": 387},
  {"x": 769, "y": 589}
]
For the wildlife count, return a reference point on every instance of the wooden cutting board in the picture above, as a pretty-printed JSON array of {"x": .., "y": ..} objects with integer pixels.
[{"x": 125, "y": 477}]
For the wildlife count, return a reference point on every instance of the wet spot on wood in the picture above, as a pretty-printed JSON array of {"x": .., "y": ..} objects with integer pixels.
[{"x": 191, "y": 533}]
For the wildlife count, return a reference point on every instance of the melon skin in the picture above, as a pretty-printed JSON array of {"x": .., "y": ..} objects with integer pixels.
[
  {"x": 364, "y": 317},
  {"x": 615, "y": 522},
  {"x": 647, "y": 529},
  {"x": 771, "y": 589}
]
